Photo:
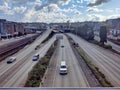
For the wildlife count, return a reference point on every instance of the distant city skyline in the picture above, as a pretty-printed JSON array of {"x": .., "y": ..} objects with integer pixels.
[{"x": 51, "y": 11}]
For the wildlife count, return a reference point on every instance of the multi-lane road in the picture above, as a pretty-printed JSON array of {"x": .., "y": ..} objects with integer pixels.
[
  {"x": 107, "y": 61},
  {"x": 15, "y": 74},
  {"x": 75, "y": 76},
  {"x": 114, "y": 46}
]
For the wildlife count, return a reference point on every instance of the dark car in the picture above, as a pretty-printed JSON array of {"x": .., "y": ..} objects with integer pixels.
[{"x": 62, "y": 46}]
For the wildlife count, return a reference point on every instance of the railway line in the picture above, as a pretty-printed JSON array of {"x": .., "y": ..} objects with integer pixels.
[
  {"x": 12, "y": 47},
  {"x": 15, "y": 74},
  {"x": 20, "y": 71},
  {"x": 8, "y": 71}
]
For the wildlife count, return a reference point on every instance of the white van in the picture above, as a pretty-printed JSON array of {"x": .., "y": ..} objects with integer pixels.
[{"x": 63, "y": 68}]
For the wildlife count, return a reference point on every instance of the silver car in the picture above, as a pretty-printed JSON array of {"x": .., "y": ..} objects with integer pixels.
[
  {"x": 11, "y": 59},
  {"x": 35, "y": 57}
]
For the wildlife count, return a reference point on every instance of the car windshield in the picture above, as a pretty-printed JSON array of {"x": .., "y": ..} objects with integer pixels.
[
  {"x": 34, "y": 56},
  {"x": 63, "y": 66},
  {"x": 10, "y": 59}
]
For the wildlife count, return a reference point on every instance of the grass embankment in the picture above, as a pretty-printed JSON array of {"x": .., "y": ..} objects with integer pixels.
[
  {"x": 45, "y": 40},
  {"x": 105, "y": 46},
  {"x": 98, "y": 43},
  {"x": 36, "y": 74},
  {"x": 99, "y": 75}
]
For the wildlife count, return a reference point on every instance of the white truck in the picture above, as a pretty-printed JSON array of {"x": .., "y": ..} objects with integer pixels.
[{"x": 63, "y": 68}]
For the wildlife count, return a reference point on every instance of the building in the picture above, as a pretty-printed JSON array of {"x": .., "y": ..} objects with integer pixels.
[
  {"x": 2, "y": 26},
  {"x": 19, "y": 28},
  {"x": 14, "y": 28},
  {"x": 10, "y": 28},
  {"x": 113, "y": 26},
  {"x": 34, "y": 26}
]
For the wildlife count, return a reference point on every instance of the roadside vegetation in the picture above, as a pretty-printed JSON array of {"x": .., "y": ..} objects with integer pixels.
[
  {"x": 45, "y": 40},
  {"x": 101, "y": 45},
  {"x": 36, "y": 74},
  {"x": 49, "y": 36},
  {"x": 98, "y": 74},
  {"x": 104, "y": 46}
]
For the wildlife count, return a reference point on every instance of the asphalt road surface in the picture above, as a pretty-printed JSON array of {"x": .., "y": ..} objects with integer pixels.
[
  {"x": 114, "y": 46},
  {"x": 107, "y": 61},
  {"x": 15, "y": 74},
  {"x": 75, "y": 76}
]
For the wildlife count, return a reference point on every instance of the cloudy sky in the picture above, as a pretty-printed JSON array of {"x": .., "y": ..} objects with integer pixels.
[{"x": 59, "y": 10}]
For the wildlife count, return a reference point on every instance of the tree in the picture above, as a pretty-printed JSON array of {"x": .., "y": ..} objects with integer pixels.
[
  {"x": 103, "y": 34},
  {"x": 20, "y": 34}
]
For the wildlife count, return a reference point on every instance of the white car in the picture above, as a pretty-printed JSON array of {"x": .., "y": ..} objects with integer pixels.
[
  {"x": 63, "y": 68},
  {"x": 11, "y": 59}
]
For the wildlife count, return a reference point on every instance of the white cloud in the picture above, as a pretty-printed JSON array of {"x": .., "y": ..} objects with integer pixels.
[
  {"x": 97, "y": 10},
  {"x": 29, "y": 15},
  {"x": 11, "y": 11},
  {"x": 17, "y": 2},
  {"x": 96, "y": 17},
  {"x": 51, "y": 13},
  {"x": 6, "y": 9},
  {"x": 20, "y": 9},
  {"x": 113, "y": 16},
  {"x": 52, "y": 7},
  {"x": 51, "y": 10},
  {"x": 94, "y": 9},
  {"x": 73, "y": 6},
  {"x": 49, "y": 2},
  {"x": 40, "y": 16},
  {"x": 78, "y": 1},
  {"x": 81, "y": 6},
  {"x": 70, "y": 11},
  {"x": 36, "y": 2}
]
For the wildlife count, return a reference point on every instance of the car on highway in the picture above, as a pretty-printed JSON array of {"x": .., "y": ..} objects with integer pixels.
[
  {"x": 75, "y": 44},
  {"x": 35, "y": 57},
  {"x": 11, "y": 59},
  {"x": 62, "y": 46},
  {"x": 63, "y": 68}
]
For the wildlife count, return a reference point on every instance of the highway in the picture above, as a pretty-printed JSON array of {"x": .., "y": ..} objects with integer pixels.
[
  {"x": 15, "y": 74},
  {"x": 75, "y": 76},
  {"x": 114, "y": 46},
  {"x": 107, "y": 61}
]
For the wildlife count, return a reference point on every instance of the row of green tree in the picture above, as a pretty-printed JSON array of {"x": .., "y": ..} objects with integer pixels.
[{"x": 87, "y": 32}]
